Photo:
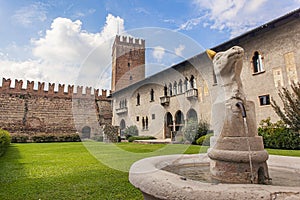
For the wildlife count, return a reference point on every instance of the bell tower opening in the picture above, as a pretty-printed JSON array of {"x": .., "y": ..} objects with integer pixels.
[{"x": 128, "y": 62}]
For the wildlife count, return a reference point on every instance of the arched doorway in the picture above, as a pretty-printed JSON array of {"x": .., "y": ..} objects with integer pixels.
[
  {"x": 86, "y": 132},
  {"x": 192, "y": 115},
  {"x": 122, "y": 127},
  {"x": 168, "y": 126},
  {"x": 179, "y": 121}
]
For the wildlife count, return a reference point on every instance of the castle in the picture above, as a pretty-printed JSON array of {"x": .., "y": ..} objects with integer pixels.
[
  {"x": 161, "y": 105},
  {"x": 26, "y": 110}
]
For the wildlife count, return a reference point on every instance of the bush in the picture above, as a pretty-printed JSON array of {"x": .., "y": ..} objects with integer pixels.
[
  {"x": 45, "y": 137},
  {"x": 204, "y": 140},
  {"x": 193, "y": 130},
  {"x": 131, "y": 131},
  {"x": 4, "y": 141},
  {"x": 19, "y": 138},
  {"x": 132, "y": 138},
  {"x": 110, "y": 133},
  {"x": 278, "y": 135}
]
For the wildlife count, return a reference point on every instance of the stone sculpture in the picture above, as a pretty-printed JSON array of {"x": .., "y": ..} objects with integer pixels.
[{"x": 237, "y": 153}]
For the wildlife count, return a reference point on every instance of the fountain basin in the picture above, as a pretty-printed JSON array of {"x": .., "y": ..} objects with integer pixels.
[{"x": 149, "y": 175}]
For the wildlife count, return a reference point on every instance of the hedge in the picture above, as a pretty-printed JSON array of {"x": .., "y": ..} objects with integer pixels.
[
  {"x": 132, "y": 138},
  {"x": 43, "y": 137},
  {"x": 4, "y": 141},
  {"x": 278, "y": 136},
  {"x": 204, "y": 140}
]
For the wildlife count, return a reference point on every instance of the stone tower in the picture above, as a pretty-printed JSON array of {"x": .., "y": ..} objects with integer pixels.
[{"x": 128, "y": 62}]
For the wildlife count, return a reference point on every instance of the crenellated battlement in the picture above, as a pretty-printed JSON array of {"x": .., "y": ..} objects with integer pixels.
[
  {"x": 129, "y": 40},
  {"x": 51, "y": 93}
]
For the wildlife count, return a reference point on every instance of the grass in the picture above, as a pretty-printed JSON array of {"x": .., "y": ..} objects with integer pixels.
[{"x": 88, "y": 170}]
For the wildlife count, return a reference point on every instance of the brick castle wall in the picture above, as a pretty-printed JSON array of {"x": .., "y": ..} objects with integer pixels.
[{"x": 34, "y": 111}]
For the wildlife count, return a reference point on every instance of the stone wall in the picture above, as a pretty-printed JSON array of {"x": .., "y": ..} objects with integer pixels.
[{"x": 34, "y": 111}]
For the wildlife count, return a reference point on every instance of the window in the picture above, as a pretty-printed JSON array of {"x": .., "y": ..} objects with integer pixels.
[
  {"x": 175, "y": 88},
  {"x": 170, "y": 89},
  {"x": 130, "y": 78},
  {"x": 153, "y": 116},
  {"x": 192, "y": 83},
  {"x": 152, "y": 95},
  {"x": 146, "y": 123},
  {"x": 185, "y": 84},
  {"x": 180, "y": 87},
  {"x": 143, "y": 123},
  {"x": 138, "y": 98},
  {"x": 257, "y": 63},
  {"x": 128, "y": 65},
  {"x": 165, "y": 90},
  {"x": 137, "y": 118},
  {"x": 264, "y": 100}
]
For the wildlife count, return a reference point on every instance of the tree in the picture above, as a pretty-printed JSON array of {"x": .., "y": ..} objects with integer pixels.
[{"x": 290, "y": 114}]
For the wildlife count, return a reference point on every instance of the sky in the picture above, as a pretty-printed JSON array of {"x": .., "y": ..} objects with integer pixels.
[{"x": 69, "y": 41}]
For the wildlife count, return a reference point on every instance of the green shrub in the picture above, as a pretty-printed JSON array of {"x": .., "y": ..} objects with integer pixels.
[
  {"x": 132, "y": 138},
  {"x": 110, "y": 133},
  {"x": 19, "y": 138},
  {"x": 204, "y": 140},
  {"x": 131, "y": 131},
  {"x": 45, "y": 137},
  {"x": 194, "y": 130},
  {"x": 4, "y": 141},
  {"x": 278, "y": 136}
]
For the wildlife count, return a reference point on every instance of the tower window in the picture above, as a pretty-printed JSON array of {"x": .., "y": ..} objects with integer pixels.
[
  {"x": 128, "y": 64},
  {"x": 138, "y": 99},
  {"x": 130, "y": 78},
  {"x": 153, "y": 116},
  {"x": 152, "y": 95},
  {"x": 137, "y": 118},
  {"x": 264, "y": 100},
  {"x": 257, "y": 63}
]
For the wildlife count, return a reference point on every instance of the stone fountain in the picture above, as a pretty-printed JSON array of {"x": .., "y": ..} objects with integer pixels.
[
  {"x": 235, "y": 166},
  {"x": 237, "y": 153}
]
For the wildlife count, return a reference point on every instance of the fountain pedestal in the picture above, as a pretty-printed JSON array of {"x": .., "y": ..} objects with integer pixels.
[{"x": 237, "y": 154}]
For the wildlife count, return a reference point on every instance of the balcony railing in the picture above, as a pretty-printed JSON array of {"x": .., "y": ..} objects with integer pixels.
[
  {"x": 165, "y": 100},
  {"x": 121, "y": 110},
  {"x": 191, "y": 93}
]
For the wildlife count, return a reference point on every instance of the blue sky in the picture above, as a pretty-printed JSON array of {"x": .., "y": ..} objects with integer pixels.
[{"x": 52, "y": 41}]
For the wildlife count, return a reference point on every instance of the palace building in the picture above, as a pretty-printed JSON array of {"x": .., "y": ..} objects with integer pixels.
[{"x": 163, "y": 103}]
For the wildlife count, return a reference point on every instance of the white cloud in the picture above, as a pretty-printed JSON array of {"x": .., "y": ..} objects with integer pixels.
[
  {"x": 238, "y": 16},
  {"x": 27, "y": 15},
  {"x": 158, "y": 53},
  {"x": 59, "y": 54},
  {"x": 179, "y": 49}
]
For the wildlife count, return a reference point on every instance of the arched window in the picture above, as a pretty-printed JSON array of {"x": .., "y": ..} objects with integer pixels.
[
  {"x": 175, "y": 88},
  {"x": 257, "y": 62},
  {"x": 165, "y": 90},
  {"x": 192, "y": 83},
  {"x": 143, "y": 123},
  {"x": 180, "y": 87},
  {"x": 146, "y": 123},
  {"x": 170, "y": 89},
  {"x": 152, "y": 95},
  {"x": 185, "y": 84},
  {"x": 138, "y": 99}
]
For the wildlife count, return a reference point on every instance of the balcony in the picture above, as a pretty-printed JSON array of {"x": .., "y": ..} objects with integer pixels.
[
  {"x": 191, "y": 93},
  {"x": 121, "y": 110},
  {"x": 165, "y": 100}
]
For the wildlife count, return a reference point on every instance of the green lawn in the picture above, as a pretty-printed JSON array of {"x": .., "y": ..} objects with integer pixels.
[{"x": 70, "y": 171}]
